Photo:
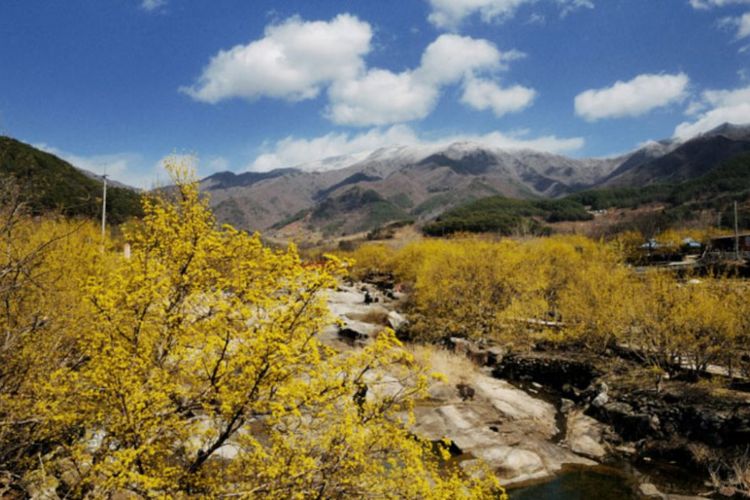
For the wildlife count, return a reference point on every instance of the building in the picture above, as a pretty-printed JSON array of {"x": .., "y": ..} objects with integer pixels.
[{"x": 723, "y": 247}]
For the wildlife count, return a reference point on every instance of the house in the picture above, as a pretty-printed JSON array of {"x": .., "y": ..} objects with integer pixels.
[{"x": 723, "y": 247}]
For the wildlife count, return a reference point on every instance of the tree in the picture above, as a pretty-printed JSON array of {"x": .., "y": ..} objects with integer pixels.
[{"x": 199, "y": 373}]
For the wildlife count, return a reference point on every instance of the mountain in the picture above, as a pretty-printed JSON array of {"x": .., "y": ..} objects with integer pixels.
[
  {"x": 675, "y": 162},
  {"x": 352, "y": 193},
  {"x": 410, "y": 182},
  {"x": 49, "y": 183}
]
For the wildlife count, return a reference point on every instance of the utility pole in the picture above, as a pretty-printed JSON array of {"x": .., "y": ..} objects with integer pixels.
[
  {"x": 104, "y": 206},
  {"x": 736, "y": 234}
]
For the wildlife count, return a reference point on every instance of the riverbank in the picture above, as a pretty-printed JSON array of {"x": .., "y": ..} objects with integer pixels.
[{"x": 532, "y": 416}]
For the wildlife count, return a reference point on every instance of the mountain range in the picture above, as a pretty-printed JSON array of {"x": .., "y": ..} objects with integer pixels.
[
  {"x": 418, "y": 183},
  {"x": 355, "y": 193}
]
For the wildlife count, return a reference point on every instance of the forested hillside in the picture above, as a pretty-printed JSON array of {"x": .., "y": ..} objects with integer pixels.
[{"x": 49, "y": 183}]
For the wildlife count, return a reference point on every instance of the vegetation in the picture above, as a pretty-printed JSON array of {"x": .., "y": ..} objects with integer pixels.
[
  {"x": 193, "y": 369},
  {"x": 568, "y": 290},
  {"x": 357, "y": 209},
  {"x": 716, "y": 190},
  {"x": 713, "y": 191},
  {"x": 51, "y": 184},
  {"x": 506, "y": 216}
]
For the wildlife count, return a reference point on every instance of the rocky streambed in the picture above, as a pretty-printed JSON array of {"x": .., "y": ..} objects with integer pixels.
[{"x": 560, "y": 419}]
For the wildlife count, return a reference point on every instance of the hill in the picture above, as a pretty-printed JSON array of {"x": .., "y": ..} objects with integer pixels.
[
  {"x": 49, "y": 183},
  {"x": 505, "y": 216}
]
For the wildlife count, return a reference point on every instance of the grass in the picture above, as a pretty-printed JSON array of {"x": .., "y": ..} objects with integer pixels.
[{"x": 455, "y": 368}]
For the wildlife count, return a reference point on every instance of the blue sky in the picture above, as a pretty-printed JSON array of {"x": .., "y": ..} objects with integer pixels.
[{"x": 253, "y": 85}]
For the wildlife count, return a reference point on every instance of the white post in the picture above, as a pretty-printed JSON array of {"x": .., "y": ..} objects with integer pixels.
[{"x": 104, "y": 207}]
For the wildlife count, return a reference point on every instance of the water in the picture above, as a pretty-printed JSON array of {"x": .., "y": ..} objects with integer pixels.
[{"x": 581, "y": 484}]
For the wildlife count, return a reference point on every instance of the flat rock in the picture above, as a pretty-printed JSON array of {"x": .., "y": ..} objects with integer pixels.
[{"x": 584, "y": 435}]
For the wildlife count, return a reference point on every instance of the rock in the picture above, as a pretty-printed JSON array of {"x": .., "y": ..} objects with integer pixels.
[
  {"x": 502, "y": 425},
  {"x": 585, "y": 435},
  {"x": 601, "y": 399},
  {"x": 566, "y": 405},
  {"x": 512, "y": 461},
  {"x": 382, "y": 385},
  {"x": 515, "y": 404},
  {"x": 553, "y": 371},
  {"x": 465, "y": 391},
  {"x": 396, "y": 320},
  {"x": 357, "y": 330},
  {"x": 651, "y": 491}
]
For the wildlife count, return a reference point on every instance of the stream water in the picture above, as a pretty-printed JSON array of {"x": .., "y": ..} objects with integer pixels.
[
  {"x": 619, "y": 480},
  {"x": 581, "y": 484}
]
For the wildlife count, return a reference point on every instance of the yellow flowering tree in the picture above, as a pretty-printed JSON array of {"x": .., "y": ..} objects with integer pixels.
[{"x": 198, "y": 372}]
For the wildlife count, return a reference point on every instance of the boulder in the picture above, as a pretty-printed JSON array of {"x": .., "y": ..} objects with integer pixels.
[
  {"x": 396, "y": 320},
  {"x": 585, "y": 435}
]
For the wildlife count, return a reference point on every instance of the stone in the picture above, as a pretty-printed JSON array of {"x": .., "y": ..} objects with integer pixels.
[
  {"x": 585, "y": 435},
  {"x": 601, "y": 399},
  {"x": 566, "y": 405},
  {"x": 651, "y": 491},
  {"x": 396, "y": 320}
]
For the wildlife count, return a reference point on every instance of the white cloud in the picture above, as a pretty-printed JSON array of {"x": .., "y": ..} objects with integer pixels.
[
  {"x": 451, "y": 57},
  {"x": 569, "y": 6},
  {"x": 293, "y": 61},
  {"x": 381, "y": 97},
  {"x": 743, "y": 25},
  {"x": 484, "y": 94},
  {"x": 151, "y": 5},
  {"x": 726, "y": 106},
  {"x": 297, "y": 59},
  {"x": 295, "y": 151},
  {"x": 449, "y": 14},
  {"x": 633, "y": 98},
  {"x": 709, "y": 4}
]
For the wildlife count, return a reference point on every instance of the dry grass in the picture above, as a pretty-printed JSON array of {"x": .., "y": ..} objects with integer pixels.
[{"x": 456, "y": 368}]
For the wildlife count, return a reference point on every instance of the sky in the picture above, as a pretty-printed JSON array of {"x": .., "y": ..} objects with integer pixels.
[{"x": 118, "y": 85}]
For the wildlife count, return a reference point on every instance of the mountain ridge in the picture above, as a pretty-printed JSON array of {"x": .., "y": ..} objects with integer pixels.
[{"x": 422, "y": 181}]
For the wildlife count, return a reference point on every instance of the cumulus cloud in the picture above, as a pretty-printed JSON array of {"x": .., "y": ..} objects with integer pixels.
[
  {"x": 451, "y": 57},
  {"x": 296, "y": 59},
  {"x": 449, "y": 14},
  {"x": 720, "y": 106},
  {"x": 151, "y": 5},
  {"x": 293, "y": 151},
  {"x": 293, "y": 61},
  {"x": 381, "y": 97},
  {"x": 632, "y": 98},
  {"x": 708, "y": 4},
  {"x": 485, "y": 94}
]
